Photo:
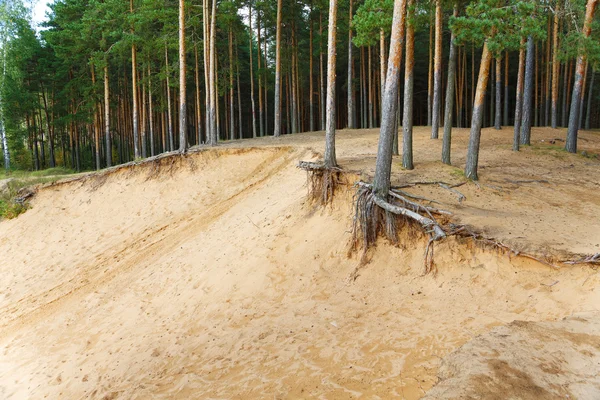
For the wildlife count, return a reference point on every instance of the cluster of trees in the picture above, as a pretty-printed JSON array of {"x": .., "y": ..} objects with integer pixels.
[{"x": 109, "y": 81}]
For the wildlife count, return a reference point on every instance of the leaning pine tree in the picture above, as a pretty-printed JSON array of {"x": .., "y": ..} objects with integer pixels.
[{"x": 497, "y": 26}]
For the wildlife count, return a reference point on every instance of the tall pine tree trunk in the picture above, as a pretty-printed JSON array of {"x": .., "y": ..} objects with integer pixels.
[
  {"x": 231, "y": 113},
  {"x": 383, "y": 166},
  {"x": 525, "y": 137},
  {"x": 251, "y": 48},
  {"x": 555, "y": 69},
  {"x": 134, "y": 94},
  {"x": 589, "y": 101},
  {"x": 447, "y": 139},
  {"x": 478, "y": 105},
  {"x": 498, "y": 118},
  {"x": 182, "y": 87},
  {"x": 311, "y": 89},
  {"x": 571, "y": 142},
  {"x": 277, "y": 106},
  {"x": 351, "y": 109},
  {"x": 519, "y": 95},
  {"x": 437, "y": 72},
  {"x": 330, "y": 158},
  {"x": 506, "y": 89},
  {"x": 107, "y": 115}
]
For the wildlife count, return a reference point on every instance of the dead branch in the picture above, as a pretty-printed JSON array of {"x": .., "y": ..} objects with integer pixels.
[
  {"x": 461, "y": 197},
  {"x": 527, "y": 181},
  {"x": 592, "y": 259}
]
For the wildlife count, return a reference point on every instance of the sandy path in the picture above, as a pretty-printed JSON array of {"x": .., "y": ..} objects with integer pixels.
[{"x": 215, "y": 280}]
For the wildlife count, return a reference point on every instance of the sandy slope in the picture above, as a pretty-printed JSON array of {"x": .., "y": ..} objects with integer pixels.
[{"x": 209, "y": 277}]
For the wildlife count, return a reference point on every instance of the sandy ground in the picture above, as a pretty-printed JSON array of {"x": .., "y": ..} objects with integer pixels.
[
  {"x": 538, "y": 360},
  {"x": 210, "y": 276}
]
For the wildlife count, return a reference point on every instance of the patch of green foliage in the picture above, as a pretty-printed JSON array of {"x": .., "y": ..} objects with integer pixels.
[{"x": 9, "y": 207}]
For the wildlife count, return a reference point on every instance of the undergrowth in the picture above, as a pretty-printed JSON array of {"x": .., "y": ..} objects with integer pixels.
[{"x": 9, "y": 206}]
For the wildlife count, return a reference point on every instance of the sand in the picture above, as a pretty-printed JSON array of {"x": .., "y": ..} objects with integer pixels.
[{"x": 212, "y": 277}]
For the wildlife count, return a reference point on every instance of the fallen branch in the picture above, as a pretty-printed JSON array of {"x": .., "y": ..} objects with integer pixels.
[
  {"x": 461, "y": 197},
  {"x": 527, "y": 181}
]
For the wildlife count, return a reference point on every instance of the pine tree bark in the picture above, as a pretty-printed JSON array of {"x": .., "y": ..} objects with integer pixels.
[
  {"x": 437, "y": 72},
  {"x": 134, "y": 94},
  {"x": 498, "y": 118},
  {"x": 555, "y": 69},
  {"x": 589, "y": 101},
  {"x": 150, "y": 113},
  {"x": 519, "y": 97},
  {"x": 311, "y": 88},
  {"x": 3, "y": 136},
  {"x": 407, "y": 114},
  {"x": 183, "y": 145},
  {"x": 383, "y": 166},
  {"x": 506, "y": 89},
  {"x": 330, "y": 158},
  {"x": 478, "y": 105},
  {"x": 212, "y": 116},
  {"x": 277, "y": 106},
  {"x": 571, "y": 142},
  {"x": 231, "y": 113},
  {"x": 430, "y": 74},
  {"x": 525, "y": 137},
  {"x": 447, "y": 139},
  {"x": 251, "y": 48},
  {"x": 351, "y": 107},
  {"x": 107, "y": 115},
  {"x": 322, "y": 77}
]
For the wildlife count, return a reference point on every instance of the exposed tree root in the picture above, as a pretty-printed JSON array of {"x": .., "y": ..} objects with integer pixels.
[
  {"x": 374, "y": 216},
  {"x": 322, "y": 181}
]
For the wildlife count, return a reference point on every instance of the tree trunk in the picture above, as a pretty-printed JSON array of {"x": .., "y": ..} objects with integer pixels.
[
  {"x": 585, "y": 74},
  {"x": 506, "y": 89},
  {"x": 478, "y": 104},
  {"x": 171, "y": 145},
  {"x": 150, "y": 113},
  {"x": 311, "y": 89},
  {"x": 322, "y": 79},
  {"x": 330, "y": 159},
  {"x": 370, "y": 72},
  {"x": 555, "y": 69},
  {"x": 239, "y": 93},
  {"x": 198, "y": 106},
  {"x": 430, "y": 73},
  {"x": 449, "y": 98},
  {"x": 183, "y": 145},
  {"x": 212, "y": 116},
  {"x": 277, "y": 106},
  {"x": 107, "y": 115},
  {"x": 519, "y": 95},
  {"x": 437, "y": 72},
  {"x": 351, "y": 109},
  {"x": 383, "y": 168},
  {"x": 589, "y": 101},
  {"x": 231, "y": 113},
  {"x": 498, "y": 118},
  {"x": 134, "y": 93},
  {"x": 525, "y": 138},
  {"x": 251, "y": 49},
  {"x": 571, "y": 142},
  {"x": 407, "y": 115}
]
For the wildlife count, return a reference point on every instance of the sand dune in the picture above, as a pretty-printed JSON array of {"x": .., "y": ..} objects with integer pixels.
[{"x": 209, "y": 276}]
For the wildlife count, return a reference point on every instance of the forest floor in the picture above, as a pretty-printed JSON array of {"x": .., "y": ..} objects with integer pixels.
[{"x": 210, "y": 276}]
